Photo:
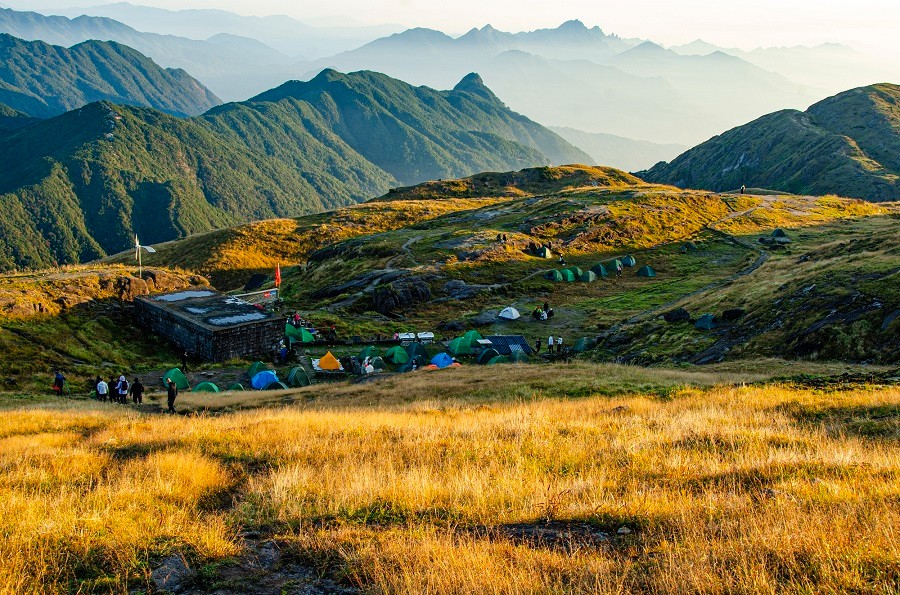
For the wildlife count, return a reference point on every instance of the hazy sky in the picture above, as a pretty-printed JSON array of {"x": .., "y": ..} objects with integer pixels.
[{"x": 745, "y": 24}]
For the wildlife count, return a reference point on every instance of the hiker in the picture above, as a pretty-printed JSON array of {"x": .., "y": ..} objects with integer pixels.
[
  {"x": 297, "y": 319},
  {"x": 122, "y": 390},
  {"x": 545, "y": 315},
  {"x": 59, "y": 383},
  {"x": 537, "y": 313},
  {"x": 743, "y": 188},
  {"x": 559, "y": 342},
  {"x": 171, "y": 393},
  {"x": 550, "y": 345},
  {"x": 562, "y": 261},
  {"x": 619, "y": 269},
  {"x": 415, "y": 365},
  {"x": 184, "y": 357},
  {"x": 537, "y": 345},
  {"x": 137, "y": 392},
  {"x": 102, "y": 389}
]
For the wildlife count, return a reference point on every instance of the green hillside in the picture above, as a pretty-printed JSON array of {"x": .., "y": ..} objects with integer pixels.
[
  {"x": 11, "y": 119},
  {"x": 847, "y": 145},
  {"x": 43, "y": 80},
  {"x": 83, "y": 183}
]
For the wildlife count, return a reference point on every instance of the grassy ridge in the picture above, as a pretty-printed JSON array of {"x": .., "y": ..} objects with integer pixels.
[{"x": 758, "y": 489}]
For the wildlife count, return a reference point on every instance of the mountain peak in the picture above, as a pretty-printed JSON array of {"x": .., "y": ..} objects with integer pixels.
[{"x": 473, "y": 83}]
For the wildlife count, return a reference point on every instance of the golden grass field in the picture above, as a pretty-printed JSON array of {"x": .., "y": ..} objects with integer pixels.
[{"x": 419, "y": 484}]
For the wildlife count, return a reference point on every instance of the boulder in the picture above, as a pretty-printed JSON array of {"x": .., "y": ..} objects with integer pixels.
[
  {"x": 485, "y": 318},
  {"x": 677, "y": 315},
  {"x": 733, "y": 314},
  {"x": 400, "y": 294}
]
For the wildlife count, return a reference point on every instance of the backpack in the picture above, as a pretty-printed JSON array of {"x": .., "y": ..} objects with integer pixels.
[{"x": 123, "y": 387}]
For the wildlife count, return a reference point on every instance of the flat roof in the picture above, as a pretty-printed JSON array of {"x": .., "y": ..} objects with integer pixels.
[{"x": 209, "y": 308}]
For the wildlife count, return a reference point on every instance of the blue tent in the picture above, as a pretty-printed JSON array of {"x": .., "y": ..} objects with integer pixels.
[
  {"x": 263, "y": 379},
  {"x": 442, "y": 360}
]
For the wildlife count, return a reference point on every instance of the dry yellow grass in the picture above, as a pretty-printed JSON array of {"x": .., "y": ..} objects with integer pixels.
[{"x": 757, "y": 489}]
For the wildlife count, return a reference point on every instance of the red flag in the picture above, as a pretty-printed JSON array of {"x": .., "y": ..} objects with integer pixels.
[{"x": 277, "y": 275}]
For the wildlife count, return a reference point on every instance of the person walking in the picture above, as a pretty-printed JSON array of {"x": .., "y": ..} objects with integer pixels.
[
  {"x": 59, "y": 383},
  {"x": 171, "y": 393},
  {"x": 537, "y": 345},
  {"x": 184, "y": 357},
  {"x": 559, "y": 342},
  {"x": 619, "y": 269},
  {"x": 550, "y": 345},
  {"x": 102, "y": 390},
  {"x": 137, "y": 392},
  {"x": 122, "y": 390}
]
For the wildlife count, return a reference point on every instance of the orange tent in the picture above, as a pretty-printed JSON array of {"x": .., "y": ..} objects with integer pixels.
[{"x": 329, "y": 362}]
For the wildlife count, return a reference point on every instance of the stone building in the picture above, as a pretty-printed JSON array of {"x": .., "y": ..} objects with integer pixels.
[{"x": 210, "y": 325}]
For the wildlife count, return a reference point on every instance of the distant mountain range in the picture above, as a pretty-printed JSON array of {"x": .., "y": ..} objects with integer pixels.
[
  {"x": 619, "y": 152},
  {"x": 848, "y": 144},
  {"x": 78, "y": 186},
  {"x": 43, "y": 80}
]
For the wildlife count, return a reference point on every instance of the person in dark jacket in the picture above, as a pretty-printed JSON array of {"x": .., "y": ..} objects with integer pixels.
[
  {"x": 184, "y": 357},
  {"x": 172, "y": 393},
  {"x": 59, "y": 383},
  {"x": 137, "y": 392}
]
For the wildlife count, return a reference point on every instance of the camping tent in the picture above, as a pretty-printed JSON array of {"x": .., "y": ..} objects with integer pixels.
[
  {"x": 442, "y": 360},
  {"x": 575, "y": 271},
  {"x": 298, "y": 335},
  {"x": 544, "y": 252},
  {"x": 599, "y": 270},
  {"x": 519, "y": 357},
  {"x": 256, "y": 368},
  {"x": 329, "y": 363},
  {"x": 263, "y": 379},
  {"x": 460, "y": 346},
  {"x": 614, "y": 265},
  {"x": 646, "y": 271},
  {"x": 554, "y": 276},
  {"x": 367, "y": 352},
  {"x": 706, "y": 322},
  {"x": 509, "y": 313},
  {"x": 473, "y": 337},
  {"x": 397, "y": 355},
  {"x": 298, "y": 377},
  {"x": 499, "y": 359},
  {"x": 276, "y": 386},
  {"x": 588, "y": 276},
  {"x": 206, "y": 387},
  {"x": 486, "y": 355},
  {"x": 418, "y": 350},
  {"x": 779, "y": 233},
  {"x": 237, "y": 387},
  {"x": 567, "y": 275},
  {"x": 629, "y": 261},
  {"x": 177, "y": 377},
  {"x": 378, "y": 364}
]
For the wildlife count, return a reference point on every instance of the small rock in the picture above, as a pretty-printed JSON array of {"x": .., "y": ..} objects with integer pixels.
[
  {"x": 173, "y": 573},
  {"x": 623, "y": 530}
]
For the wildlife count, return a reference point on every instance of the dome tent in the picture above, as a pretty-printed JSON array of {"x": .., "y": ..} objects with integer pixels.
[
  {"x": 369, "y": 351},
  {"x": 397, "y": 355},
  {"x": 588, "y": 277},
  {"x": 600, "y": 270},
  {"x": 555, "y": 276},
  {"x": 378, "y": 364},
  {"x": 499, "y": 359},
  {"x": 263, "y": 379},
  {"x": 298, "y": 377},
  {"x": 486, "y": 355},
  {"x": 509, "y": 313},
  {"x": 460, "y": 346},
  {"x": 614, "y": 265},
  {"x": 519, "y": 357},
  {"x": 177, "y": 377},
  {"x": 646, "y": 271},
  {"x": 297, "y": 335},
  {"x": 442, "y": 360},
  {"x": 575, "y": 271},
  {"x": 276, "y": 386},
  {"x": 706, "y": 322},
  {"x": 567, "y": 275},
  {"x": 629, "y": 261},
  {"x": 417, "y": 350},
  {"x": 329, "y": 363},
  {"x": 256, "y": 368},
  {"x": 237, "y": 387},
  {"x": 206, "y": 387}
]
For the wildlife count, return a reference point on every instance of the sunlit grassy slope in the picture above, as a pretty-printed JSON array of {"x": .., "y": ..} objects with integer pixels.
[{"x": 479, "y": 488}]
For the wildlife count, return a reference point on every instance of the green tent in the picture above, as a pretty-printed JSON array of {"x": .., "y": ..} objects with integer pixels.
[
  {"x": 706, "y": 322},
  {"x": 629, "y": 261},
  {"x": 614, "y": 265},
  {"x": 588, "y": 276},
  {"x": 378, "y": 364},
  {"x": 486, "y": 356},
  {"x": 237, "y": 387},
  {"x": 460, "y": 346},
  {"x": 298, "y": 377},
  {"x": 646, "y": 271},
  {"x": 599, "y": 270},
  {"x": 277, "y": 386},
  {"x": 397, "y": 355},
  {"x": 417, "y": 350},
  {"x": 575, "y": 271},
  {"x": 568, "y": 276},
  {"x": 473, "y": 337},
  {"x": 544, "y": 252},
  {"x": 256, "y": 368},
  {"x": 554, "y": 276},
  {"x": 368, "y": 352},
  {"x": 206, "y": 387},
  {"x": 500, "y": 359},
  {"x": 180, "y": 381},
  {"x": 519, "y": 357},
  {"x": 298, "y": 335}
]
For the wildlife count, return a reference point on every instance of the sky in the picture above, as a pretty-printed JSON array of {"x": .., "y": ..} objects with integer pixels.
[{"x": 748, "y": 24}]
